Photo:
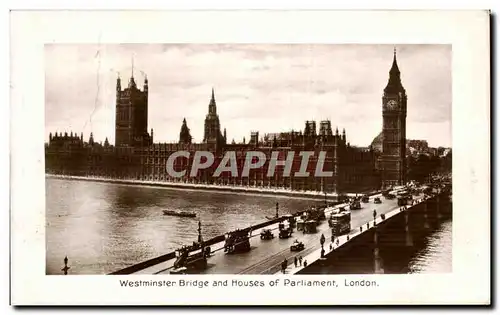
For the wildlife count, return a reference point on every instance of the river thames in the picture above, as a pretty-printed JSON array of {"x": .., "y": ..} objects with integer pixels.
[{"x": 103, "y": 227}]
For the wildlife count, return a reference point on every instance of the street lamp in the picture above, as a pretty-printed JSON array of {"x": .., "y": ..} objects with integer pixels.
[
  {"x": 322, "y": 242},
  {"x": 66, "y": 268}
]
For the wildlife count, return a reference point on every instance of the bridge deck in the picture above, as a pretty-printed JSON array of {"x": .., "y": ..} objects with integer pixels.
[
  {"x": 265, "y": 256},
  {"x": 315, "y": 254}
]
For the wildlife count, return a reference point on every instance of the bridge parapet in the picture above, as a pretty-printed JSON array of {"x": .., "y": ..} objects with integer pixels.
[{"x": 410, "y": 220}]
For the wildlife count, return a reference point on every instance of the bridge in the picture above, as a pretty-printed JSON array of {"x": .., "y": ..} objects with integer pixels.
[{"x": 267, "y": 256}]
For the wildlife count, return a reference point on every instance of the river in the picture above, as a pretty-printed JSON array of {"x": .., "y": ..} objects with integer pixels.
[{"x": 103, "y": 227}]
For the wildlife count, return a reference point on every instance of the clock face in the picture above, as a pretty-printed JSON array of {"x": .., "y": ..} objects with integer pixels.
[{"x": 392, "y": 104}]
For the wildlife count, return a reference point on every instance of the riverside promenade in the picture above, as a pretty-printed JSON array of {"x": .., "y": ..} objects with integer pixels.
[{"x": 207, "y": 187}]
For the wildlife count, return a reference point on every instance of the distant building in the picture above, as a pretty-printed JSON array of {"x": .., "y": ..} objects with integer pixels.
[{"x": 135, "y": 156}]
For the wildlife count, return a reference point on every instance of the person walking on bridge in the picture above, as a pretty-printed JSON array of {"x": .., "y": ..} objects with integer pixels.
[
  {"x": 295, "y": 261},
  {"x": 300, "y": 260}
]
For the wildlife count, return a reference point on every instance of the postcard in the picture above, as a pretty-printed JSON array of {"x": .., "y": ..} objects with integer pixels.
[{"x": 244, "y": 157}]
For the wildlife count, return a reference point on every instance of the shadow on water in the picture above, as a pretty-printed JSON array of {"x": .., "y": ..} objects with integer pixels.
[{"x": 430, "y": 253}]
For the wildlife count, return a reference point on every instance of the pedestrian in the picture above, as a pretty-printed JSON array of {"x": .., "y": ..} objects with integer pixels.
[
  {"x": 331, "y": 247},
  {"x": 305, "y": 263},
  {"x": 300, "y": 260},
  {"x": 337, "y": 242},
  {"x": 295, "y": 261}
]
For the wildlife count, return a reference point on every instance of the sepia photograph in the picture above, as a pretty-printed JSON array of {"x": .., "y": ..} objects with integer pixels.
[
  {"x": 158, "y": 163},
  {"x": 248, "y": 159}
]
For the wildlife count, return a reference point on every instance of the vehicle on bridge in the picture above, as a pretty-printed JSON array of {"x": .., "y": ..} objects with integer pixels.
[
  {"x": 355, "y": 205},
  {"x": 291, "y": 220},
  {"x": 342, "y": 198},
  {"x": 314, "y": 214},
  {"x": 286, "y": 230},
  {"x": 340, "y": 222},
  {"x": 300, "y": 224},
  {"x": 377, "y": 200},
  {"x": 310, "y": 227},
  {"x": 237, "y": 242},
  {"x": 297, "y": 246},
  {"x": 266, "y": 234},
  {"x": 190, "y": 259},
  {"x": 428, "y": 191},
  {"x": 402, "y": 201},
  {"x": 365, "y": 199},
  {"x": 390, "y": 196}
]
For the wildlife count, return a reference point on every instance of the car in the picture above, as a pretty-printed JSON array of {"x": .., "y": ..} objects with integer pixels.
[
  {"x": 377, "y": 200},
  {"x": 365, "y": 199},
  {"x": 297, "y": 246},
  {"x": 266, "y": 235}
]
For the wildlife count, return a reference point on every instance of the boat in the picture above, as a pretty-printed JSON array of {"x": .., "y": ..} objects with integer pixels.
[{"x": 180, "y": 213}]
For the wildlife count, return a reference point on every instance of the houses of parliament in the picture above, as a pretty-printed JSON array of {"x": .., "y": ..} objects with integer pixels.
[{"x": 135, "y": 155}]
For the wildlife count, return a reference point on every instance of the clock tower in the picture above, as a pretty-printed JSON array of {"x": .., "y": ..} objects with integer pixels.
[{"x": 393, "y": 158}]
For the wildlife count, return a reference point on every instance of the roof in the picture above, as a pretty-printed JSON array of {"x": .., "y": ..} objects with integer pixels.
[{"x": 376, "y": 144}]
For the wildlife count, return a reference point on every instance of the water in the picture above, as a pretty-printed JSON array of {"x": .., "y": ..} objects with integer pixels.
[
  {"x": 436, "y": 255},
  {"x": 104, "y": 227}
]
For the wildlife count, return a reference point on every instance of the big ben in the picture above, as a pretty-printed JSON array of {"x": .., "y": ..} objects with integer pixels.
[{"x": 393, "y": 158}]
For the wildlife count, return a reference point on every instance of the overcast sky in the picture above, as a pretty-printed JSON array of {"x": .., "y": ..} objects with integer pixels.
[{"x": 269, "y": 88}]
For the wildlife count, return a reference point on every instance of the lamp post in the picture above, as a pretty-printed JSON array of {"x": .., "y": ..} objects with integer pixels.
[
  {"x": 322, "y": 242},
  {"x": 66, "y": 268}
]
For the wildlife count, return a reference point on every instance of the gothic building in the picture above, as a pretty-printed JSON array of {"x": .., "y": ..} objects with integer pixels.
[
  {"x": 213, "y": 134},
  {"x": 393, "y": 159},
  {"x": 135, "y": 157},
  {"x": 132, "y": 115}
]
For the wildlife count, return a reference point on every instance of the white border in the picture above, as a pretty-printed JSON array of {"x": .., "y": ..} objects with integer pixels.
[{"x": 468, "y": 32}]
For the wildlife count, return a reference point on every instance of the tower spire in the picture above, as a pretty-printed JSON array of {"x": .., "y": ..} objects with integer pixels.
[
  {"x": 212, "y": 109},
  {"x": 394, "y": 68},
  {"x": 394, "y": 84}
]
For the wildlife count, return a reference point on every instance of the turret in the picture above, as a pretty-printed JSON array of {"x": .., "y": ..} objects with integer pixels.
[
  {"x": 106, "y": 142},
  {"x": 118, "y": 84},
  {"x": 152, "y": 133},
  {"x": 225, "y": 136},
  {"x": 91, "y": 139},
  {"x": 343, "y": 135},
  {"x": 146, "y": 87},
  {"x": 212, "y": 108},
  {"x": 185, "y": 134},
  {"x": 50, "y": 136}
]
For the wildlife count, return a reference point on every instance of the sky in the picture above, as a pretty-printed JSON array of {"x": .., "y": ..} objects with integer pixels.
[{"x": 261, "y": 87}]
